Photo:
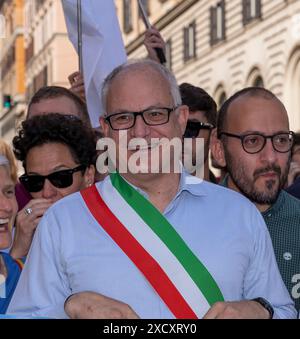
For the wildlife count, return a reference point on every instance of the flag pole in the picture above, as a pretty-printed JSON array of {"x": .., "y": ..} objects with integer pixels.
[
  {"x": 79, "y": 30},
  {"x": 159, "y": 51}
]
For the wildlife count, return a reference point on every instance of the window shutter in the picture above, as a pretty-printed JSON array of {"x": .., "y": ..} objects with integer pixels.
[
  {"x": 258, "y": 9},
  {"x": 223, "y": 20},
  {"x": 127, "y": 16},
  {"x": 169, "y": 54},
  {"x": 195, "y": 40},
  {"x": 213, "y": 25},
  {"x": 185, "y": 43},
  {"x": 244, "y": 4}
]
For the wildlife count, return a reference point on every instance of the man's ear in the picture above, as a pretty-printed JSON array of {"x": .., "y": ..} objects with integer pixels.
[
  {"x": 183, "y": 115},
  {"x": 104, "y": 126},
  {"x": 217, "y": 149}
]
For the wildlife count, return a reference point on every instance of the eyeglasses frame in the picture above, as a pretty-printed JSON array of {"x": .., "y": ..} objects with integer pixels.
[
  {"x": 140, "y": 113},
  {"x": 243, "y": 136}
]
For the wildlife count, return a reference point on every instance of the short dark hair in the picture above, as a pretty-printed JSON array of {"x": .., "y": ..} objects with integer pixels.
[
  {"x": 249, "y": 91},
  {"x": 56, "y": 128},
  {"x": 197, "y": 99},
  {"x": 51, "y": 92}
]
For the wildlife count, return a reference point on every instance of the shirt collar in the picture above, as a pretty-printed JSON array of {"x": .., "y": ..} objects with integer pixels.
[
  {"x": 276, "y": 207},
  {"x": 191, "y": 184},
  {"x": 187, "y": 183}
]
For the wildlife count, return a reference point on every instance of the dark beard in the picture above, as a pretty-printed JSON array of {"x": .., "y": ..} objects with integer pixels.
[{"x": 269, "y": 194}]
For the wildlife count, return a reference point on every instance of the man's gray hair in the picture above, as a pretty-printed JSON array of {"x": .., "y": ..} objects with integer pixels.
[{"x": 142, "y": 64}]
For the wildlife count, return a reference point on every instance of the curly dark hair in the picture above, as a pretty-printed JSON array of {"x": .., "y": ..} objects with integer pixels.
[{"x": 56, "y": 128}]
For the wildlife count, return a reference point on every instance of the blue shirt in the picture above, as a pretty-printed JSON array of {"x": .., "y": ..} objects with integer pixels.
[
  {"x": 71, "y": 253},
  {"x": 13, "y": 274}
]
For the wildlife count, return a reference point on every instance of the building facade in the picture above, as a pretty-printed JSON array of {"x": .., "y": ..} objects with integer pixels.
[
  {"x": 34, "y": 52},
  {"x": 50, "y": 57},
  {"x": 220, "y": 45},
  {"x": 12, "y": 66},
  {"x": 225, "y": 45}
]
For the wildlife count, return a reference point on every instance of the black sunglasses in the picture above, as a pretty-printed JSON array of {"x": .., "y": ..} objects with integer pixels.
[
  {"x": 193, "y": 128},
  {"x": 59, "y": 179}
]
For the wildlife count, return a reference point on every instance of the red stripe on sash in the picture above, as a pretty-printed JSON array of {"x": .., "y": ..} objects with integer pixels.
[{"x": 137, "y": 254}]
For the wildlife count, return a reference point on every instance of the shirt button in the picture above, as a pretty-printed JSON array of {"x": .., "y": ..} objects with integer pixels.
[{"x": 269, "y": 215}]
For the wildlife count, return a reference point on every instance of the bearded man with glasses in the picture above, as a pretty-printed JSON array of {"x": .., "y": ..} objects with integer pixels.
[{"x": 254, "y": 143}]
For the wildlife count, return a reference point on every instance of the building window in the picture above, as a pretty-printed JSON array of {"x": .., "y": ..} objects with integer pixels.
[
  {"x": 251, "y": 10},
  {"x": 127, "y": 16},
  {"x": 189, "y": 42},
  {"x": 169, "y": 54},
  {"x": 217, "y": 23}
]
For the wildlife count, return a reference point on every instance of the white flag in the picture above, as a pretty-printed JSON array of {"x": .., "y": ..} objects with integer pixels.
[{"x": 103, "y": 48}]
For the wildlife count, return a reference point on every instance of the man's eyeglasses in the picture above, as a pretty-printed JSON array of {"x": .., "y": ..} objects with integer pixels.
[
  {"x": 151, "y": 117},
  {"x": 193, "y": 128},
  {"x": 59, "y": 179},
  {"x": 255, "y": 142}
]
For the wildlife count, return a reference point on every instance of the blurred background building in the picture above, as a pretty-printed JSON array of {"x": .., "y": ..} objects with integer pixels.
[
  {"x": 220, "y": 45},
  {"x": 12, "y": 66},
  {"x": 35, "y": 51},
  {"x": 225, "y": 45}
]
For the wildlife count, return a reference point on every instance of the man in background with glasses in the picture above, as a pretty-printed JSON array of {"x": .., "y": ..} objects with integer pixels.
[
  {"x": 201, "y": 121},
  {"x": 254, "y": 142}
]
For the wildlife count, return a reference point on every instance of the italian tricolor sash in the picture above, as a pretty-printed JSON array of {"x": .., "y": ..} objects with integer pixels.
[{"x": 154, "y": 246}]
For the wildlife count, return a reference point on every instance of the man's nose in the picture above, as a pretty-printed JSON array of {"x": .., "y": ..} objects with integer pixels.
[
  {"x": 268, "y": 153},
  {"x": 140, "y": 128}
]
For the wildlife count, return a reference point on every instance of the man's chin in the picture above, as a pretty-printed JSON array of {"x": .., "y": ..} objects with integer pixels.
[{"x": 268, "y": 195}]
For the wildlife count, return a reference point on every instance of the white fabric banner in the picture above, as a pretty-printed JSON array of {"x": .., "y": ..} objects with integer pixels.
[{"x": 102, "y": 46}]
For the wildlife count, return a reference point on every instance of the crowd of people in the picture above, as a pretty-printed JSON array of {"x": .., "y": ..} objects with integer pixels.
[{"x": 77, "y": 244}]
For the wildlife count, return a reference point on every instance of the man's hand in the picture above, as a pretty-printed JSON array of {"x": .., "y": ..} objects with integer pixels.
[
  {"x": 90, "y": 305},
  {"x": 77, "y": 84},
  {"x": 26, "y": 225},
  {"x": 246, "y": 309},
  {"x": 152, "y": 40}
]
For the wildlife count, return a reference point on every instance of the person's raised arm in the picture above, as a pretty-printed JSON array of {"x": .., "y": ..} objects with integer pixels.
[{"x": 153, "y": 41}]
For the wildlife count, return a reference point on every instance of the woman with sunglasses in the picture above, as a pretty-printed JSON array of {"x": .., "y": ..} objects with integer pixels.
[
  {"x": 9, "y": 268},
  {"x": 58, "y": 153}
]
